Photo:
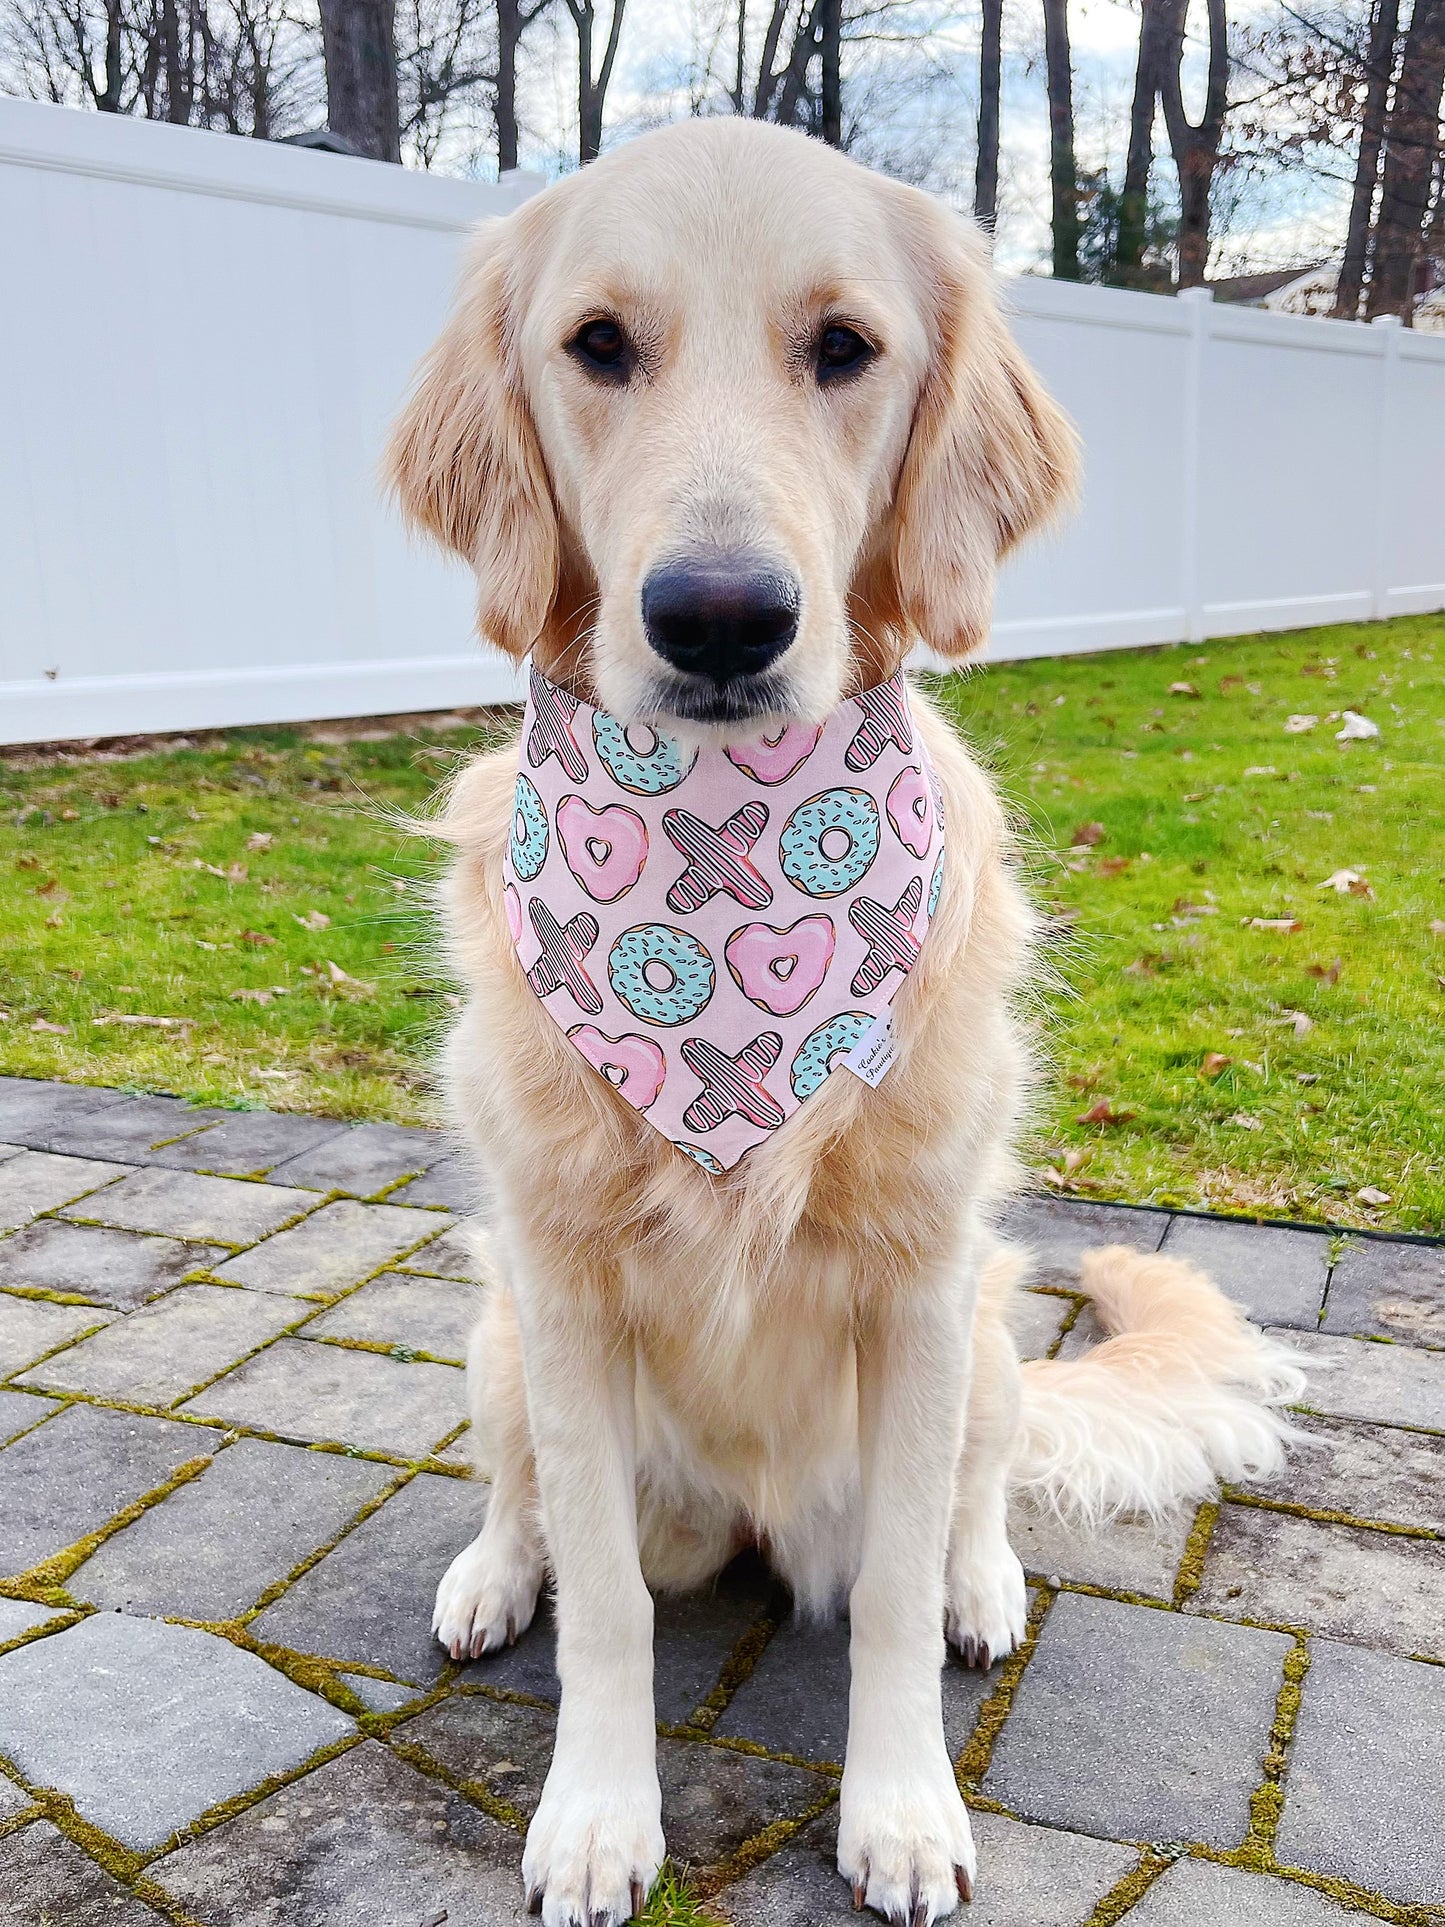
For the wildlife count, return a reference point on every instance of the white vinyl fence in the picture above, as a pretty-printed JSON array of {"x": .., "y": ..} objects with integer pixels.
[{"x": 203, "y": 339}]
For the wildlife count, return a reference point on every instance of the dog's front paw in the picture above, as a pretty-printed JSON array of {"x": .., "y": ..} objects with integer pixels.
[
  {"x": 906, "y": 1846},
  {"x": 487, "y": 1597},
  {"x": 593, "y": 1850},
  {"x": 987, "y": 1605}
]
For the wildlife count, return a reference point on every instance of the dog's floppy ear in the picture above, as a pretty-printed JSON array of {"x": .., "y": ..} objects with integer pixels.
[
  {"x": 990, "y": 456},
  {"x": 464, "y": 460}
]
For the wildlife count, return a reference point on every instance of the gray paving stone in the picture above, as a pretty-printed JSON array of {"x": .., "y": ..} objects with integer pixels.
[
  {"x": 20, "y": 1410},
  {"x": 1035, "y": 1318},
  {"x": 318, "y": 1393},
  {"x": 166, "y": 1349},
  {"x": 246, "y": 1143},
  {"x": 30, "y": 1110},
  {"x": 1196, "y": 1894},
  {"x": 1366, "y": 1783},
  {"x": 1027, "y": 1877},
  {"x": 1059, "y": 1230},
  {"x": 182, "y": 1204},
  {"x": 424, "y": 1314},
  {"x": 364, "y": 1159},
  {"x": 119, "y": 1268},
  {"x": 796, "y": 1699},
  {"x": 335, "y": 1248},
  {"x": 713, "y": 1800},
  {"x": 370, "y": 1599},
  {"x": 1389, "y": 1290},
  {"x": 10, "y": 1151},
  {"x": 19, "y": 1616},
  {"x": 212, "y": 1548},
  {"x": 1138, "y": 1723},
  {"x": 381, "y": 1695},
  {"x": 452, "y": 1255},
  {"x": 1356, "y": 1378},
  {"x": 1126, "y": 1555},
  {"x": 692, "y": 1637},
  {"x": 47, "y": 1881},
  {"x": 1279, "y": 1275},
  {"x": 1374, "y": 1588},
  {"x": 66, "y": 1480},
  {"x": 36, "y": 1181},
  {"x": 146, "y": 1725},
  {"x": 454, "y": 1184},
  {"x": 13, "y": 1800},
  {"x": 32, "y": 1326},
  {"x": 1370, "y": 1472},
  {"x": 365, "y": 1840},
  {"x": 130, "y": 1131}
]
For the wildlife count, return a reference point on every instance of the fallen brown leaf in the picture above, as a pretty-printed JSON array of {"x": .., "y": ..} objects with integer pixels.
[
  {"x": 147, "y": 1023},
  {"x": 1086, "y": 835},
  {"x": 1372, "y": 1194},
  {"x": 1347, "y": 883},
  {"x": 250, "y": 996},
  {"x": 27, "y": 862},
  {"x": 1245, "y": 1121},
  {"x": 256, "y": 937},
  {"x": 1214, "y": 1062},
  {"x": 259, "y": 840},
  {"x": 57, "y": 1030},
  {"x": 1113, "y": 866},
  {"x": 1327, "y": 973},
  {"x": 1437, "y": 926},
  {"x": 1183, "y": 689},
  {"x": 1104, "y": 1113},
  {"x": 313, "y": 920},
  {"x": 1287, "y": 924},
  {"x": 1298, "y": 1020}
]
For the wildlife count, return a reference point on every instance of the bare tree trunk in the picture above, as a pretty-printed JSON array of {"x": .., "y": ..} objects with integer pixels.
[
  {"x": 990, "y": 87},
  {"x": 795, "y": 75},
  {"x": 592, "y": 89},
  {"x": 1139, "y": 163},
  {"x": 109, "y": 101},
  {"x": 1195, "y": 146},
  {"x": 739, "y": 93},
  {"x": 359, "y": 41},
  {"x": 1412, "y": 149},
  {"x": 1384, "y": 31},
  {"x": 830, "y": 91},
  {"x": 1063, "y": 169}
]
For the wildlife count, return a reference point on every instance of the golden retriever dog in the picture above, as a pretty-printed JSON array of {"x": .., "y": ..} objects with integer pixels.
[{"x": 727, "y": 353}]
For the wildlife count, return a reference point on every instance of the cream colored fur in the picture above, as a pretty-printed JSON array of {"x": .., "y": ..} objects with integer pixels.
[{"x": 671, "y": 1366}]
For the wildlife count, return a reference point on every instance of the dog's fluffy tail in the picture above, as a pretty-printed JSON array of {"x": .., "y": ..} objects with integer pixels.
[{"x": 1183, "y": 1393}]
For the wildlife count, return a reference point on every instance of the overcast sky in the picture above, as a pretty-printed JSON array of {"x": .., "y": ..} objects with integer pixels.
[{"x": 922, "y": 107}]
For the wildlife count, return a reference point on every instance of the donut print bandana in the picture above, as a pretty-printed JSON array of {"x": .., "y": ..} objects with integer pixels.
[{"x": 717, "y": 930}]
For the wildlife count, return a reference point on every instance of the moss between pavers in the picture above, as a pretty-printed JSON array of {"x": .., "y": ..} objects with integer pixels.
[
  {"x": 1196, "y": 1549},
  {"x": 1327, "y": 1517},
  {"x": 1126, "y": 1893},
  {"x": 737, "y": 1668},
  {"x": 973, "y": 1761},
  {"x": 46, "y": 1581}
]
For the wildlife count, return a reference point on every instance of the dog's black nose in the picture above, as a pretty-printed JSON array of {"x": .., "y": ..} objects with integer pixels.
[{"x": 719, "y": 616}]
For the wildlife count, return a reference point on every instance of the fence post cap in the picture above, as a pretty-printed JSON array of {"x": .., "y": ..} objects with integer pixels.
[
  {"x": 1195, "y": 294},
  {"x": 1387, "y": 321}
]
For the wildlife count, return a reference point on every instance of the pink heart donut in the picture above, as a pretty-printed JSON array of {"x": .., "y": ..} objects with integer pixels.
[
  {"x": 633, "y": 1066},
  {"x": 778, "y": 970},
  {"x": 910, "y": 809},
  {"x": 775, "y": 756},
  {"x": 604, "y": 849}
]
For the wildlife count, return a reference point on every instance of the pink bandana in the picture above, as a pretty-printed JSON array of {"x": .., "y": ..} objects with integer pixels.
[{"x": 716, "y": 929}]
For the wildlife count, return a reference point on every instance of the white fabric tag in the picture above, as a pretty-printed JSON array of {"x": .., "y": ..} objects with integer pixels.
[{"x": 872, "y": 1057}]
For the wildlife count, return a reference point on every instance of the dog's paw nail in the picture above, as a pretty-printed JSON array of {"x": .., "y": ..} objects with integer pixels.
[
  {"x": 969, "y": 1651},
  {"x": 985, "y": 1656},
  {"x": 639, "y": 1897},
  {"x": 963, "y": 1880},
  {"x": 860, "y": 1895},
  {"x": 534, "y": 1900}
]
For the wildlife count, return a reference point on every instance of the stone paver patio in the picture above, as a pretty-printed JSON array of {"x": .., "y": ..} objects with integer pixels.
[{"x": 230, "y": 1404}]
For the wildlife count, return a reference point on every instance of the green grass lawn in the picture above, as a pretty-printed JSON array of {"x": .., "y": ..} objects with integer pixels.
[{"x": 246, "y": 920}]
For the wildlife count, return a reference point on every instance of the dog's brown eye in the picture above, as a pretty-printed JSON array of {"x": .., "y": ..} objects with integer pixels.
[
  {"x": 602, "y": 348},
  {"x": 841, "y": 351}
]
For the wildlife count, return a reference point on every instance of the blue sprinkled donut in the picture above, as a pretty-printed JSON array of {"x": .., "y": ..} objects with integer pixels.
[
  {"x": 815, "y": 1056},
  {"x": 828, "y": 842},
  {"x": 640, "y": 757},
  {"x": 530, "y": 834},
  {"x": 705, "y": 1158},
  {"x": 935, "y": 889},
  {"x": 662, "y": 975}
]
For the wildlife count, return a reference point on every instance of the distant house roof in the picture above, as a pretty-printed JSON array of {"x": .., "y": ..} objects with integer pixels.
[
  {"x": 1250, "y": 290},
  {"x": 324, "y": 141}
]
